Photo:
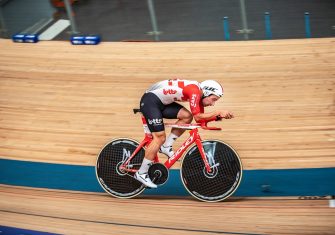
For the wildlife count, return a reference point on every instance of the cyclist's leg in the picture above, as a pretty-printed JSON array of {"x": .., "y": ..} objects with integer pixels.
[
  {"x": 175, "y": 111},
  {"x": 153, "y": 147},
  {"x": 151, "y": 107},
  {"x": 150, "y": 153},
  {"x": 184, "y": 117}
]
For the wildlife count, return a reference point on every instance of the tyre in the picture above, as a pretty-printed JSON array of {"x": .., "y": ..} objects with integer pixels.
[
  {"x": 112, "y": 180},
  {"x": 226, "y": 172}
]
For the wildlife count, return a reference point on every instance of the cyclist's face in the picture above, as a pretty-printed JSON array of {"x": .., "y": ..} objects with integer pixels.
[{"x": 210, "y": 100}]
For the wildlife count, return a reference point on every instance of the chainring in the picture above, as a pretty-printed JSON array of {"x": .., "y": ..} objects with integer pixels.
[{"x": 158, "y": 173}]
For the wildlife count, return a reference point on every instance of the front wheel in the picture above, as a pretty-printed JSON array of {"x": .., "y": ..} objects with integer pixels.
[
  {"x": 111, "y": 178},
  {"x": 224, "y": 178}
]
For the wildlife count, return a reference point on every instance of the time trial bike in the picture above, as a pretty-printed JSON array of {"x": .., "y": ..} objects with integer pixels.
[{"x": 211, "y": 170}]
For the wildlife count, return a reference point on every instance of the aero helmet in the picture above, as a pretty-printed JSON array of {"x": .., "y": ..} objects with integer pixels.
[{"x": 211, "y": 87}]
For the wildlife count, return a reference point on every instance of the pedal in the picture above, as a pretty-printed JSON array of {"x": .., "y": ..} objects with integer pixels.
[{"x": 158, "y": 173}]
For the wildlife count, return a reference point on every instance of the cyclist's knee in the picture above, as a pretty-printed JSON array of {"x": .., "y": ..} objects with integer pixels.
[
  {"x": 159, "y": 137},
  {"x": 189, "y": 118},
  {"x": 185, "y": 115}
]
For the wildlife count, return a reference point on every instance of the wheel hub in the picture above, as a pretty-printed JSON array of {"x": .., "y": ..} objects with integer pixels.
[{"x": 212, "y": 174}]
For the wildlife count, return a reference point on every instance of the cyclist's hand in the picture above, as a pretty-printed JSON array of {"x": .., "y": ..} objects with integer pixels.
[{"x": 226, "y": 114}]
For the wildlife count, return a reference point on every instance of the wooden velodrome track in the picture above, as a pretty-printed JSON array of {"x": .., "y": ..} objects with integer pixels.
[{"x": 61, "y": 103}]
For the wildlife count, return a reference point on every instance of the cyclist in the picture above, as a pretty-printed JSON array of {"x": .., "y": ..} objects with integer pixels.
[{"x": 159, "y": 102}]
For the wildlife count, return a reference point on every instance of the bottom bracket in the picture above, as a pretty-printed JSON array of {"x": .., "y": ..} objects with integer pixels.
[{"x": 158, "y": 173}]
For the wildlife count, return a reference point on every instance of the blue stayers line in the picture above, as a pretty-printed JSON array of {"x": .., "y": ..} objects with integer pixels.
[
  {"x": 277, "y": 182},
  {"x": 14, "y": 231}
]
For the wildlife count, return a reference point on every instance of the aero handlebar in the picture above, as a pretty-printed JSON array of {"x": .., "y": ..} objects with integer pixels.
[{"x": 203, "y": 123}]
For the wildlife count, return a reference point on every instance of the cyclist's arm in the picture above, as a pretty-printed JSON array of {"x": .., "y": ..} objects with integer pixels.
[
  {"x": 208, "y": 116},
  {"x": 205, "y": 116}
]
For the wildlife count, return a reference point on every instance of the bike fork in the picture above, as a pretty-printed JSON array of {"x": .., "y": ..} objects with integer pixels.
[{"x": 203, "y": 156}]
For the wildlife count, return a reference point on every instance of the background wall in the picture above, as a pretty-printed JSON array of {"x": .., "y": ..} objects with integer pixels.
[
  {"x": 198, "y": 20},
  {"x": 186, "y": 20},
  {"x": 17, "y": 16}
]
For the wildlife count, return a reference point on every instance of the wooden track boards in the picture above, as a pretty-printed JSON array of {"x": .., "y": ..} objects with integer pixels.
[
  {"x": 83, "y": 213},
  {"x": 61, "y": 103}
]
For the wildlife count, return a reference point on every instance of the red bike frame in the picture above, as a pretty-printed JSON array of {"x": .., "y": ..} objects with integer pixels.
[{"x": 193, "y": 138}]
